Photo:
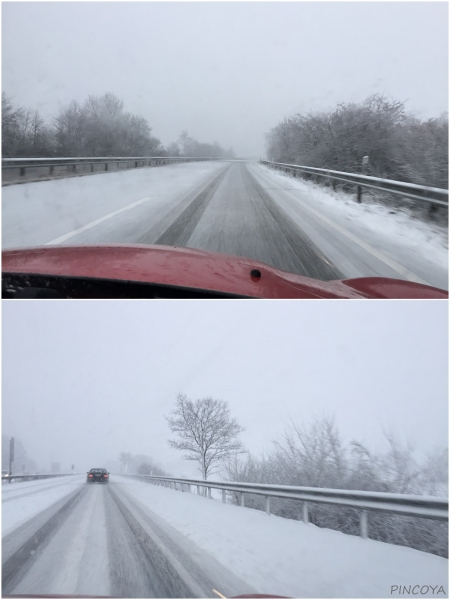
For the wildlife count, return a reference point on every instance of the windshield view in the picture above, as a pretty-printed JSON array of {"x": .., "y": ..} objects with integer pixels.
[
  {"x": 239, "y": 449},
  {"x": 301, "y": 140}
]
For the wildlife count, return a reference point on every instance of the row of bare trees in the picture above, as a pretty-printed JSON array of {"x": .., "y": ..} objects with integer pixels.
[
  {"x": 399, "y": 145},
  {"x": 98, "y": 127},
  {"x": 188, "y": 146},
  {"x": 315, "y": 456},
  {"x": 310, "y": 455}
]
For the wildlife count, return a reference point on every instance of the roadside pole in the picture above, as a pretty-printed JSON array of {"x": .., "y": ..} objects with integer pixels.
[{"x": 11, "y": 456}]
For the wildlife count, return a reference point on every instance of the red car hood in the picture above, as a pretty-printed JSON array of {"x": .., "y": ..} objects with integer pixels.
[{"x": 196, "y": 269}]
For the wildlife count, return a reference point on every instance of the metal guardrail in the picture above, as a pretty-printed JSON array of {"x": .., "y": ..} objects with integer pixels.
[
  {"x": 137, "y": 161},
  {"x": 434, "y": 196},
  {"x": 9, "y": 478},
  {"x": 427, "y": 507}
]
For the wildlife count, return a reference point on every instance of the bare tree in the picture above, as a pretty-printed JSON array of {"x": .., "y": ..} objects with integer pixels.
[
  {"x": 310, "y": 454},
  {"x": 173, "y": 149},
  {"x": 125, "y": 459},
  {"x": 145, "y": 465},
  {"x": 205, "y": 432},
  {"x": 11, "y": 118},
  {"x": 69, "y": 130}
]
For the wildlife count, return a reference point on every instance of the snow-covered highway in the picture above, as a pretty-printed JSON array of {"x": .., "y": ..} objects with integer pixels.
[
  {"x": 237, "y": 208},
  {"x": 98, "y": 540},
  {"x": 131, "y": 539}
]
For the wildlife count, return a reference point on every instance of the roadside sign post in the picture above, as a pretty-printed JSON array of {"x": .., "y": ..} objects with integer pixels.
[
  {"x": 11, "y": 456},
  {"x": 365, "y": 164}
]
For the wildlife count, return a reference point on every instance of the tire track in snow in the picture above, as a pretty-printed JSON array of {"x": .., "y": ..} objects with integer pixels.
[
  {"x": 19, "y": 563},
  {"x": 180, "y": 231},
  {"x": 309, "y": 260},
  {"x": 143, "y": 571}
]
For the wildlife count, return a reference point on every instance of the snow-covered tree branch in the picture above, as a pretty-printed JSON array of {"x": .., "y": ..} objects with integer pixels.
[{"x": 205, "y": 432}]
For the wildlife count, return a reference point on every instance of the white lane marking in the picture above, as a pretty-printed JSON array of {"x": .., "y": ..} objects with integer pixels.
[
  {"x": 381, "y": 256},
  {"x": 67, "y": 236},
  {"x": 218, "y": 593}
]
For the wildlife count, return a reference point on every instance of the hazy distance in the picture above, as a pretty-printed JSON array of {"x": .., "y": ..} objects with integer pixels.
[
  {"x": 225, "y": 71},
  {"x": 84, "y": 381}
]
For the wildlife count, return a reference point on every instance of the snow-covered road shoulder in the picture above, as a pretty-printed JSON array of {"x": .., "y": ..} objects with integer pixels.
[
  {"x": 23, "y": 501},
  {"x": 284, "y": 557},
  {"x": 420, "y": 246}
]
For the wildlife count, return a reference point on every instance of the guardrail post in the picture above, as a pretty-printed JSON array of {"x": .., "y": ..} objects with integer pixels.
[
  {"x": 51, "y": 169},
  {"x": 106, "y": 166},
  {"x": 92, "y": 167},
  {"x": 268, "y": 505},
  {"x": 74, "y": 167},
  {"x": 198, "y": 490},
  {"x": 242, "y": 499},
  {"x": 224, "y": 496},
  {"x": 209, "y": 493},
  {"x": 22, "y": 171},
  {"x": 432, "y": 209},
  {"x": 334, "y": 185},
  {"x": 364, "y": 524},
  {"x": 358, "y": 194},
  {"x": 305, "y": 513}
]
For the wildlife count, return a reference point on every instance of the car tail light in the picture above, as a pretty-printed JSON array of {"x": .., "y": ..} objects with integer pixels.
[
  {"x": 106, "y": 476},
  {"x": 90, "y": 475}
]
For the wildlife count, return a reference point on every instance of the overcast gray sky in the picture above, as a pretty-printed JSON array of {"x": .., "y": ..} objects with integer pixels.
[
  {"x": 84, "y": 381},
  {"x": 226, "y": 71}
]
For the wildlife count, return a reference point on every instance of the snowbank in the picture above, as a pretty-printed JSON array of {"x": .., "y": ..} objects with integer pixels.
[
  {"x": 283, "y": 557},
  {"x": 23, "y": 501},
  {"x": 386, "y": 223}
]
